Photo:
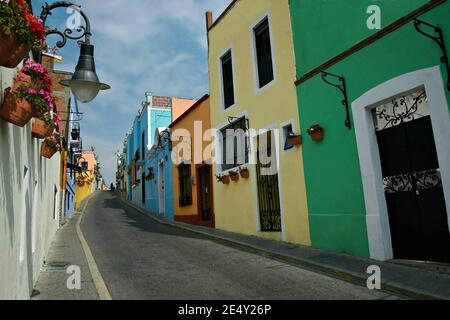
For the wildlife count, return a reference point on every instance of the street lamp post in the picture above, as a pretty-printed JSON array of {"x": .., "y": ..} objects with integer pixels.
[{"x": 85, "y": 84}]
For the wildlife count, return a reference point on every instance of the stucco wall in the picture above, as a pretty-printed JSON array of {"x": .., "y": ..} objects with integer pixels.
[
  {"x": 333, "y": 175},
  {"x": 28, "y": 205},
  {"x": 236, "y": 204}
]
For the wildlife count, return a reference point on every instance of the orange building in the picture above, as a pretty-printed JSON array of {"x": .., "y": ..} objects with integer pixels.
[{"x": 192, "y": 173}]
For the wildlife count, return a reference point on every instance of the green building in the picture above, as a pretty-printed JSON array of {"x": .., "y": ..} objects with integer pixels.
[{"x": 378, "y": 179}]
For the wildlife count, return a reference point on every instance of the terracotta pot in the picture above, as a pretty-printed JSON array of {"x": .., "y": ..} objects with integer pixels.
[
  {"x": 245, "y": 173},
  {"x": 14, "y": 110},
  {"x": 296, "y": 140},
  {"x": 317, "y": 136},
  {"x": 12, "y": 52},
  {"x": 47, "y": 151},
  {"x": 234, "y": 176},
  {"x": 19, "y": 80},
  {"x": 224, "y": 179},
  {"x": 41, "y": 129}
]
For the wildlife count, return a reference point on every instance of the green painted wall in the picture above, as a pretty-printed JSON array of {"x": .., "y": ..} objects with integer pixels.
[{"x": 333, "y": 179}]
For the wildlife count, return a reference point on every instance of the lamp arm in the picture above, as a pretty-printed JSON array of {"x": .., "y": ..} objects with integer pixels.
[{"x": 66, "y": 34}]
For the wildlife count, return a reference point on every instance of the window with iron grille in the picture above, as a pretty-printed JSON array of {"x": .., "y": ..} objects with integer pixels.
[
  {"x": 234, "y": 145},
  {"x": 263, "y": 53},
  {"x": 184, "y": 174},
  {"x": 227, "y": 79}
]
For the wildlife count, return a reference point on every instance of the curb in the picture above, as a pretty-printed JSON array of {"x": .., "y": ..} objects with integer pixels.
[{"x": 337, "y": 273}]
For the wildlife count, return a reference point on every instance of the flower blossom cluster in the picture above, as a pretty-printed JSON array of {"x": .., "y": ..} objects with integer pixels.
[{"x": 36, "y": 27}]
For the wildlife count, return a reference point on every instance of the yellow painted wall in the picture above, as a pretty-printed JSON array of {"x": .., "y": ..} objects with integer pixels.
[
  {"x": 236, "y": 205},
  {"x": 82, "y": 192}
]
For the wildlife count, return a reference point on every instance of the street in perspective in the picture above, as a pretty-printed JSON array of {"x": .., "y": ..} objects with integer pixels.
[{"x": 242, "y": 151}]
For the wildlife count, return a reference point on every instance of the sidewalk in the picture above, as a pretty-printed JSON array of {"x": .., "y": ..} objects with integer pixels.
[
  {"x": 66, "y": 250},
  {"x": 426, "y": 282}
]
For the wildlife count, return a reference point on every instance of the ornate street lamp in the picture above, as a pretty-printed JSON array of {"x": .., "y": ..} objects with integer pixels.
[{"x": 85, "y": 84}]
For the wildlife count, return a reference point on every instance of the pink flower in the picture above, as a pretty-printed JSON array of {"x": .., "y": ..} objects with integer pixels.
[{"x": 31, "y": 91}]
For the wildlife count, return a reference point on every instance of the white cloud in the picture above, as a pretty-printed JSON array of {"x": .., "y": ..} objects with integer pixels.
[{"x": 142, "y": 45}]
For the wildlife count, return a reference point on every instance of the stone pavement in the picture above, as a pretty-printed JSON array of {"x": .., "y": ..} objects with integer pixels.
[
  {"x": 415, "y": 280},
  {"x": 65, "y": 251}
]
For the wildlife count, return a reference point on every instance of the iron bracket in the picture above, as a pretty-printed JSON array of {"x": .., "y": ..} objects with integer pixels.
[
  {"x": 439, "y": 39},
  {"x": 343, "y": 88}
]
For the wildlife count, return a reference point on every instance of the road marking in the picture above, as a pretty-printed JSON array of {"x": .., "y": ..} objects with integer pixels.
[{"x": 99, "y": 283}]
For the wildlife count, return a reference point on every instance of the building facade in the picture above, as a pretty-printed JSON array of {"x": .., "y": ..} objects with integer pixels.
[
  {"x": 193, "y": 172},
  {"x": 142, "y": 150},
  {"x": 251, "y": 67},
  {"x": 378, "y": 184},
  {"x": 30, "y": 193},
  {"x": 86, "y": 179}
]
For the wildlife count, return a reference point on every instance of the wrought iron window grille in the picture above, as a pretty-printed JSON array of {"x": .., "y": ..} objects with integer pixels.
[
  {"x": 439, "y": 39},
  {"x": 343, "y": 88}
]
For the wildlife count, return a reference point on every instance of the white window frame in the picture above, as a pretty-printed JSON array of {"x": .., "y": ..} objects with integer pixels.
[
  {"x": 222, "y": 94},
  {"x": 259, "y": 90},
  {"x": 219, "y": 148},
  {"x": 378, "y": 227}
]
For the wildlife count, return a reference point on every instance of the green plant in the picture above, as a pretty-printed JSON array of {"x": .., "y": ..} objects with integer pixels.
[
  {"x": 16, "y": 21},
  {"x": 55, "y": 141}
]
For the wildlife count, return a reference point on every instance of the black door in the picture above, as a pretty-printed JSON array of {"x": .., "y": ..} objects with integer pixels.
[
  {"x": 205, "y": 193},
  {"x": 413, "y": 185},
  {"x": 268, "y": 188}
]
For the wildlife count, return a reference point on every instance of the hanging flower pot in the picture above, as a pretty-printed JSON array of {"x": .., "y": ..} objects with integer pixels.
[
  {"x": 51, "y": 145},
  {"x": 19, "y": 81},
  {"x": 234, "y": 176},
  {"x": 41, "y": 129},
  {"x": 223, "y": 179},
  {"x": 316, "y": 133},
  {"x": 47, "y": 151},
  {"x": 245, "y": 173},
  {"x": 296, "y": 140},
  {"x": 14, "y": 110},
  {"x": 20, "y": 32},
  {"x": 12, "y": 52}
]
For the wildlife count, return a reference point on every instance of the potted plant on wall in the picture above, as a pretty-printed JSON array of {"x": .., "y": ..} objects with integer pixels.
[
  {"x": 245, "y": 173},
  {"x": 51, "y": 145},
  {"x": 44, "y": 126},
  {"x": 225, "y": 179},
  {"x": 295, "y": 139},
  {"x": 20, "y": 32},
  {"x": 234, "y": 175},
  {"x": 316, "y": 133},
  {"x": 15, "y": 110}
]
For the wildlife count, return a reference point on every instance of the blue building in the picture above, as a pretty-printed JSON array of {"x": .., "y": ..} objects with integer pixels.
[{"x": 148, "y": 155}]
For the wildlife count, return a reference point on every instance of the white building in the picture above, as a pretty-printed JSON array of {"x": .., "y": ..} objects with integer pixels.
[{"x": 29, "y": 204}]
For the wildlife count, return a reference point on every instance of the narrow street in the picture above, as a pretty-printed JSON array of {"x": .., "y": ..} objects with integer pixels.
[{"x": 142, "y": 259}]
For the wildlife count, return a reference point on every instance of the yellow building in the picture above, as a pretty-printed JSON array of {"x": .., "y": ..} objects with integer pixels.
[
  {"x": 252, "y": 73},
  {"x": 85, "y": 181}
]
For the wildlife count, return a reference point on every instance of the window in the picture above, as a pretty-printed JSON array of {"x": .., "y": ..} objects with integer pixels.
[
  {"x": 234, "y": 145},
  {"x": 287, "y": 132},
  {"x": 227, "y": 80},
  {"x": 263, "y": 49},
  {"x": 184, "y": 174}
]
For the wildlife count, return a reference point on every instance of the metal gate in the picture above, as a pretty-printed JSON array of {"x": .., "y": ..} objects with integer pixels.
[
  {"x": 268, "y": 188},
  {"x": 412, "y": 180}
]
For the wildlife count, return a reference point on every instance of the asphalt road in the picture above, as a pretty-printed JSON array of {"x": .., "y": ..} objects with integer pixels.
[{"x": 142, "y": 259}]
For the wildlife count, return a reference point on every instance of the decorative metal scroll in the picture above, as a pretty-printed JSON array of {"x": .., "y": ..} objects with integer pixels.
[
  {"x": 83, "y": 31},
  {"x": 439, "y": 39},
  {"x": 401, "y": 110},
  {"x": 343, "y": 88},
  {"x": 423, "y": 180}
]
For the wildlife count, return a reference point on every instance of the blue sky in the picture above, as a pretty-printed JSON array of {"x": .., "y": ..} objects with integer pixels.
[{"x": 140, "y": 45}]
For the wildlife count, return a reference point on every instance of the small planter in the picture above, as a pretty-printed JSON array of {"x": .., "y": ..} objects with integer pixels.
[
  {"x": 14, "y": 110},
  {"x": 234, "y": 176},
  {"x": 224, "y": 179},
  {"x": 316, "y": 133},
  {"x": 47, "y": 151},
  {"x": 296, "y": 140},
  {"x": 20, "y": 80},
  {"x": 41, "y": 129},
  {"x": 245, "y": 173},
  {"x": 12, "y": 52}
]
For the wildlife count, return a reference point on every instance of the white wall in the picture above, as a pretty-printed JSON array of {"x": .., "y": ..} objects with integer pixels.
[{"x": 27, "y": 205}]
